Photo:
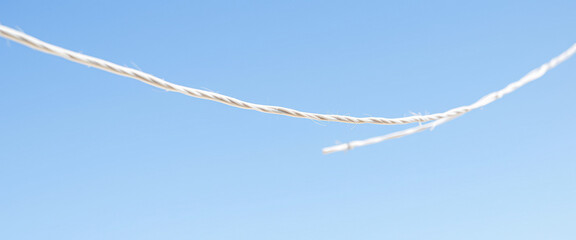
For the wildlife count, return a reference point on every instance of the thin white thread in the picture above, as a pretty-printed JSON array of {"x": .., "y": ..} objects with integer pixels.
[
  {"x": 39, "y": 45},
  {"x": 531, "y": 76}
]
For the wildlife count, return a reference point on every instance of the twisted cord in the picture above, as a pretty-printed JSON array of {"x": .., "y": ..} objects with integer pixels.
[
  {"x": 37, "y": 44},
  {"x": 440, "y": 118},
  {"x": 531, "y": 76}
]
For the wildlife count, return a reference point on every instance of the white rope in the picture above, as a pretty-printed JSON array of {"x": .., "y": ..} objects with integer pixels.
[
  {"x": 39, "y": 45},
  {"x": 531, "y": 76}
]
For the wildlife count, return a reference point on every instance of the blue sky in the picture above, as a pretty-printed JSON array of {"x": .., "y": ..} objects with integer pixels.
[{"x": 85, "y": 154}]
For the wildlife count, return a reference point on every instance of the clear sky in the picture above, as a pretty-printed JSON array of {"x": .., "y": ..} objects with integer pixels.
[{"x": 85, "y": 154}]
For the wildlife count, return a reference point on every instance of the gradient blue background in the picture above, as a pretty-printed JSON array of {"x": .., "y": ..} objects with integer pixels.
[{"x": 85, "y": 154}]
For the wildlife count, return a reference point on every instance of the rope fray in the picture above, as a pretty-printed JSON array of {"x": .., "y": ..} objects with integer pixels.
[{"x": 42, "y": 46}]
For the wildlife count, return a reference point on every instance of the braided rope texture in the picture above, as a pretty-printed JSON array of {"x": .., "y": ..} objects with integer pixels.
[{"x": 42, "y": 46}]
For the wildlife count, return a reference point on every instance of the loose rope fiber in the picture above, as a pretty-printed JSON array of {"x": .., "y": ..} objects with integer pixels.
[{"x": 39, "y": 45}]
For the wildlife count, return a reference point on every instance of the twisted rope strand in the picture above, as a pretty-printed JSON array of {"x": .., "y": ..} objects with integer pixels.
[
  {"x": 531, "y": 76},
  {"x": 39, "y": 45}
]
